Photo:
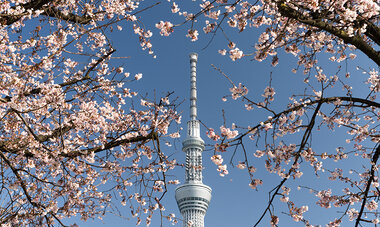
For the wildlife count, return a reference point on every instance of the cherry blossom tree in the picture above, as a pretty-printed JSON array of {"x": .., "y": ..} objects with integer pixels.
[
  {"x": 74, "y": 135},
  {"x": 339, "y": 30}
]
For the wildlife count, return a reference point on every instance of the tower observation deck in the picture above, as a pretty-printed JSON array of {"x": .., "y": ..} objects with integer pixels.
[{"x": 193, "y": 197}]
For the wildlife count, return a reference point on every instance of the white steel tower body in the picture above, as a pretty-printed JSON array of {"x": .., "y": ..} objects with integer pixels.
[{"x": 193, "y": 197}]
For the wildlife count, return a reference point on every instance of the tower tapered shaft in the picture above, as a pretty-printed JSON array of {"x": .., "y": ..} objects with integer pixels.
[{"x": 193, "y": 197}]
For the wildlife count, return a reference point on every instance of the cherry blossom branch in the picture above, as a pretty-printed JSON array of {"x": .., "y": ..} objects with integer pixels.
[
  {"x": 112, "y": 144},
  {"x": 160, "y": 156},
  {"x": 355, "y": 40},
  {"x": 15, "y": 172},
  {"x": 43, "y": 138},
  {"x": 369, "y": 184},
  {"x": 56, "y": 133},
  {"x": 48, "y": 11},
  {"x": 87, "y": 75},
  {"x": 367, "y": 102},
  {"x": 373, "y": 32},
  {"x": 26, "y": 125},
  {"x": 52, "y": 12},
  {"x": 304, "y": 141},
  {"x": 34, "y": 91},
  {"x": 36, "y": 5}
]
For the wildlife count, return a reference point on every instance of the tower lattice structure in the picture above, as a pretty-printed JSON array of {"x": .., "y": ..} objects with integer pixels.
[{"x": 193, "y": 197}]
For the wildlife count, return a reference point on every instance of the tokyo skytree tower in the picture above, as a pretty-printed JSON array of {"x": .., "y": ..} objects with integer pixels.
[{"x": 193, "y": 197}]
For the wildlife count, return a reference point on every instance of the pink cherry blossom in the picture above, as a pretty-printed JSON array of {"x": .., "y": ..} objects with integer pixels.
[
  {"x": 255, "y": 183},
  {"x": 239, "y": 91},
  {"x": 165, "y": 28},
  {"x": 212, "y": 135},
  {"x": 236, "y": 54},
  {"x": 138, "y": 76},
  {"x": 192, "y": 34},
  {"x": 175, "y": 8},
  {"x": 230, "y": 134}
]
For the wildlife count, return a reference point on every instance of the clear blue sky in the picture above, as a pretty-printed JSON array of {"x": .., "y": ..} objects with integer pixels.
[{"x": 233, "y": 203}]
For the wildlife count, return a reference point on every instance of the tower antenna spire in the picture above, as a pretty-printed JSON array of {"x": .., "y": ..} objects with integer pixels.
[
  {"x": 193, "y": 197},
  {"x": 193, "y": 85}
]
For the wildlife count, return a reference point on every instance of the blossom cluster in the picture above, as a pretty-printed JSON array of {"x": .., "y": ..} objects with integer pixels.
[
  {"x": 165, "y": 28},
  {"x": 218, "y": 160},
  {"x": 238, "y": 91}
]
